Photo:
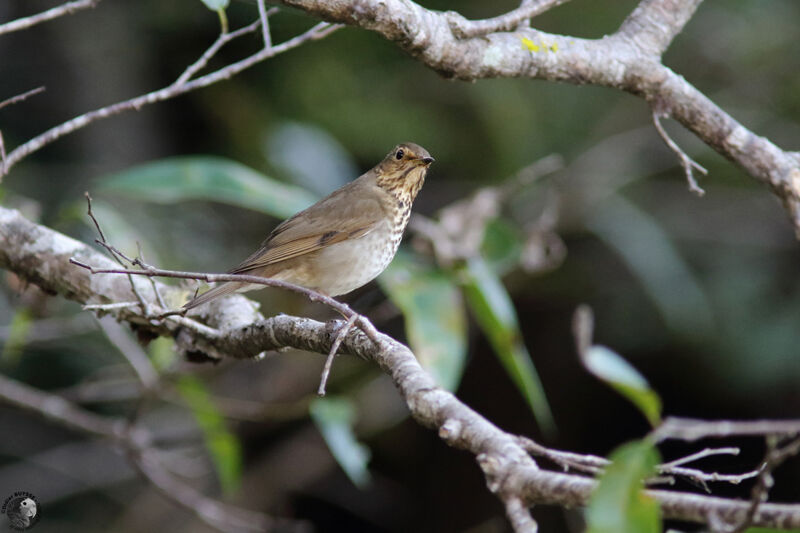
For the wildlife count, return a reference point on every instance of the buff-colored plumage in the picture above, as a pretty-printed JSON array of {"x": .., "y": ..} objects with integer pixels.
[{"x": 346, "y": 239}]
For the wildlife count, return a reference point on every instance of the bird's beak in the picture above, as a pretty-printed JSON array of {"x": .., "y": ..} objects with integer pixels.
[{"x": 427, "y": 160}]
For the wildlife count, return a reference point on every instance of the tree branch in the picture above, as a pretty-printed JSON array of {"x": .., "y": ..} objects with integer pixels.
[{"x": 654, "y": 23}]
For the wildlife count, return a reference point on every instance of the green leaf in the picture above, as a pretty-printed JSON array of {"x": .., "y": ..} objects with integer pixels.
[
  {"x": 618, "y": 504},
  {"x": 162, "y": 353},
  {"x": 216, "y": 5},
  {"x": 312, "y": 157},
  {"x": 335, "y": 418},
  {"x": 223, "y": 446},
  {"x": 502, "y": 245},
  {"x": 436, "y": 325},
  {"x": 610, "y": 367},
  {"x": 495, "y": 314},
  {"x": 178, "y": 179},
  {"x": 17, "y": 337}
]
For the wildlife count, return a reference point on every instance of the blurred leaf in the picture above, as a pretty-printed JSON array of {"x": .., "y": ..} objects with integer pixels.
[
  {"x": 495, "y": 314},
  {"x": 216, "y": 5},
  {"x": 17, "y": 337},
  {"x": 618, "y": 504},
  {"x": 224, "y": 446},
  {"x": 436, "y": 324},
  {"x": 652, "y": 257},
  {"x": 216, "y": 179},
  {"x": 335, "y": 418},
  {"x": 312, "y": 157},
  {"x": 161, "y": 353},
  {"x": 610, "y": 367},
  {"x": 502, "y": 245}
]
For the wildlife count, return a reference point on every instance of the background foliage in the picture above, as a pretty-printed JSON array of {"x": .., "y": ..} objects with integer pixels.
[{"x": 701, "y": 295}]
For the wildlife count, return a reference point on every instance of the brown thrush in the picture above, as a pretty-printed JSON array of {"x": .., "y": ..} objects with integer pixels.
[{"x": 346, "y": 239}]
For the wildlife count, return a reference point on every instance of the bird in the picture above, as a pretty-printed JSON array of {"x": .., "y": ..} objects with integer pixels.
[{"x": 345, "y": 240}]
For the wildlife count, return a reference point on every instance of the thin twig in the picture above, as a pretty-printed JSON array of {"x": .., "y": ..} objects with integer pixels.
[
  {"x": 686, "y": 162},
  {"x": 689, "y": 429},
  {"x": 463, "y": 28},
  {"x": 595, "y": 465},
  {"x": 707, "y": 452},
  {"x": 115, "y": 254},
  {"x": 50, "y": 14},
  {"x": 263, "y": 15},
  {"x": 2, "y": 157},
  {"x": 773, "y": 458},
  {"x": 202, "y": 61},
  {"x": 109, "y": 307},
  {"x": 340, "y": 335},
  {"x": 152, "y": 281},
  {"x": 21, "y": 97},
  {"x": 317, "y": 32},
  {"x": 591, "y": 464}
]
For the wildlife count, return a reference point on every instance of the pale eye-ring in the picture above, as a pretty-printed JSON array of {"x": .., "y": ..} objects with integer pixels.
[{"x": 399, "y": 155}]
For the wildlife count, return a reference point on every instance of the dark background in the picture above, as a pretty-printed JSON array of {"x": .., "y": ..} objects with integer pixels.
[{"x": 701, "y": 295}]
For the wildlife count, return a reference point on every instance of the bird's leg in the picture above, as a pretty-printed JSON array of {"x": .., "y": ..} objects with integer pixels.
[{"x": 340, "y": 335}]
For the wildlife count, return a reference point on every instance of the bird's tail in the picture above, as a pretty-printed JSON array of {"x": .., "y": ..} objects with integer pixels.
[{"x": 216, "y": 292}]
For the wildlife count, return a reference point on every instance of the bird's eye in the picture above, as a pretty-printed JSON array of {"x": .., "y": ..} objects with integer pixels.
[{"x": 399, "y": 155}]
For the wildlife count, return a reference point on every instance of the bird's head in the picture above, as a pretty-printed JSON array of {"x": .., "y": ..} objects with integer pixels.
[{"x": 402, "y": 171}]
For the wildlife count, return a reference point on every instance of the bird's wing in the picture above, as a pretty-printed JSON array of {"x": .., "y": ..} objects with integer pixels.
[{"x": 334, "y": 219}]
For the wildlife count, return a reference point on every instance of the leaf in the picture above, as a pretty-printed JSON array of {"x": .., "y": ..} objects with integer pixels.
[
  {"x": 495, "y": 314},
  {"x": 652, "y": 257},
  {"x": 611, "y": 368},
  {"x": 311, "y": 156},
  {"x": 335, "y": 418},
  {"x": 502, "y": 245},
  {"x": 216, "y": 5},
  {"x": 162, "y": 353},
  {"x": 223, "y": 446},
  {"x": 178, "y": 179},
  {"x": 618, "y": 504},
  {"x": 436, "y": 325},
  {"x": 17, "y": 337}
]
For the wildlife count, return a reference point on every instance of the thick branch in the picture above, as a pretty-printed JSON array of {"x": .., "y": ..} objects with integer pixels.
[{"x": 654, "y": 23}]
